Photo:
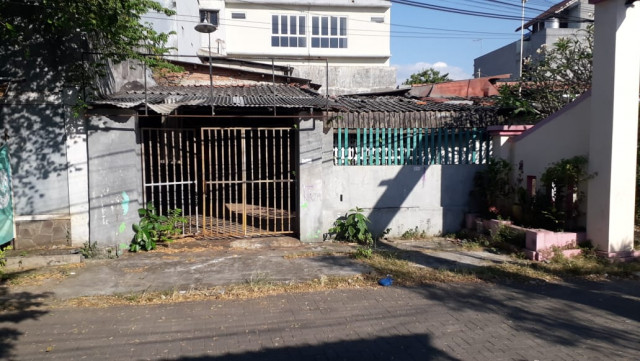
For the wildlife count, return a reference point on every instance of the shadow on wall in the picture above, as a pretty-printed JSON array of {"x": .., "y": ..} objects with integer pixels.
[
  {"x": 16, "y": 308},
  {"x": 34, "y": 115},
  {"x": 38, "y": 157},
  {"x": 447, "y": 207},
  {"x": 45, "y": 70}
]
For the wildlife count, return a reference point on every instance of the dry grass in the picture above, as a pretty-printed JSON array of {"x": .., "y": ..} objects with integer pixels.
[
  {"x": 254, "y": 288},
  {"x": 586, "y": 267},
  {"x": 38, "y": 276},
  {"x": 311, "y": 254}
]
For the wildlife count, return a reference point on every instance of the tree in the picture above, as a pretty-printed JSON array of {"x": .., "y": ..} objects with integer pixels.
[
  {"x": 427, "y": 76},
  {"x": 76, "y": 39},
  {"x": 553, "y": 78}
]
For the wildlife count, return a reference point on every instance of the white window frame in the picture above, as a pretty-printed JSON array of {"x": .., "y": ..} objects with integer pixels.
[
  {"x": 329, "y": 32},
  {"x": 288, "y": 31}
]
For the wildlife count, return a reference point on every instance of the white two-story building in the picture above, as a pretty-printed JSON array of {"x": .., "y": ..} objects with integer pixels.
[{"x": 342, "y": 43}]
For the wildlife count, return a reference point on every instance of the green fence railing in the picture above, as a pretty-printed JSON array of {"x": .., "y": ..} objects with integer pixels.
[{"x": 411, "y": 146}]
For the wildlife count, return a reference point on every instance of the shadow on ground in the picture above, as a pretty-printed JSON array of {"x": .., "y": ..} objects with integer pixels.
[
  {"x": 16, "y": 308},
  {"x": 413, "y": 347},
  {"x": 572, "y": 303}
]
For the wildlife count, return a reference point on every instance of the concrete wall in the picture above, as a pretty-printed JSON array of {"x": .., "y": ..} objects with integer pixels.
[
  {"x": 38, "y": 157},
  {"x": 547, "y": 142},
  {"x": 433, "y": 198},
  {"x": 503, "y": 60},
  {"x": 310, "y": 181},
  {"x": 115, "y": 180},
  {"x": 348, "y": 79}
]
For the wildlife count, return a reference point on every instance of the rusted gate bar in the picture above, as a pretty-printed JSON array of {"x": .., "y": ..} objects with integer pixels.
[{"x": 248, "y": 181}]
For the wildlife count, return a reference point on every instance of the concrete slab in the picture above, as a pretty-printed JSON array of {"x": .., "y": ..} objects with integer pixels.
[
  {"x": 198, "y": 264},
  {"x": 33, "y": 262}
]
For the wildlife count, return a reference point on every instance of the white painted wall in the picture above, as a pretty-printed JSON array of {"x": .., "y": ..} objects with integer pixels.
[
  {"x": 563, "y": 135},
  {"x": 366, "y": 39},
  {"x": 614, "y": 124}
]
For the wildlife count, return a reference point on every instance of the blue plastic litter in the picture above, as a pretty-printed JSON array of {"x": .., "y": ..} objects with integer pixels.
[{"x": 387, "y": 281}]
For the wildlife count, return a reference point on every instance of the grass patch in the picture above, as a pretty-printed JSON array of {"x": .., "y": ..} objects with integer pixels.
[
  {"x": 587, "y": 266},
  {"x": 415, "y": 233}
]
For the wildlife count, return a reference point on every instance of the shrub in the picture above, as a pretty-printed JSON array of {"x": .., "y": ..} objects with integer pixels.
[
  {"x": 353, "y": 227},
  {"x": 154, "y": 228}
]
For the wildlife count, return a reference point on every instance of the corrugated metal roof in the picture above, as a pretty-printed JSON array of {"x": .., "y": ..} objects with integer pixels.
[
  {"x": 395, "y": 104},
  {"x": 165, "y": 99}
]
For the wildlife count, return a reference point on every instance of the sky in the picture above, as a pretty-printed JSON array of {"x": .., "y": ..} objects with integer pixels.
[{"x": 417, "y": 45}]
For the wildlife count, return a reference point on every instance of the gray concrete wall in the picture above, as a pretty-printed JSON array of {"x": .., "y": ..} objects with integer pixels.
[
  {"x": 500, "y": 61},
  {"x": 115, "y": 178},
  {"x": 433, "y": 198},
  {"x": 38, "y": 157},
  {"x": 348, "y": 79},
  {"x": 310, "y": 182},
  {"x": 506, "y": 59}
]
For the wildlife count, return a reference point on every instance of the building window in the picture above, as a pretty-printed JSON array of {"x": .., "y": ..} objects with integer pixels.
[
  {"x": 329, "y": 32},
  {"x": 238, "y": 16},
  {"x": 211, "y": 16},
  {"x": 377, "y": 19},
  {"x": 289, "y": 31}
]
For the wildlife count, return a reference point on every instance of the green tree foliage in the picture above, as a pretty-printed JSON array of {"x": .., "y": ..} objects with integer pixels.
[
  {"x": 108, "y": 30},
  {"x": 556, "y": 76},
  {"x": 427, "y": 76}
]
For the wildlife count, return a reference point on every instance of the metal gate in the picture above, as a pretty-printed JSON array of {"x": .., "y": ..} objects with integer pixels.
[
  {"x": 170, "y": 173},
  {"x": 248, "y": 181}
]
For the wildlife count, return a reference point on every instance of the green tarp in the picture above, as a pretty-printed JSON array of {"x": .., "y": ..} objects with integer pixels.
[{"x": 6, "y": 195}]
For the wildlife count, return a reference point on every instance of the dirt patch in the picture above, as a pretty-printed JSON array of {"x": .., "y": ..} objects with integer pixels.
[
  {"x": 39, "y": 276},
  {"x": 250, "y": 289}
]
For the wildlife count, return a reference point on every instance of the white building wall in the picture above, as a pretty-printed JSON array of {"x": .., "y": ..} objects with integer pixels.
[
  {"x": 561, "y": 136},
  {"x": 362, "y": 66},
  {"x": 366, "y": 39}
]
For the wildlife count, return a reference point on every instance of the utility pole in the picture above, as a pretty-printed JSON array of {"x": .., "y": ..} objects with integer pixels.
[{"x": 521, "y": 40}]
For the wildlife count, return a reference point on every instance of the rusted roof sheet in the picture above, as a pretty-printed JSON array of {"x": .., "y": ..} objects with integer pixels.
[
  {"x": 165, "y": 99},
  {"x": 476, "y": 87}
]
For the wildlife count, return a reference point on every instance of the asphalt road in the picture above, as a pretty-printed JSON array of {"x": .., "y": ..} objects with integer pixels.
[{"x": 570, "y": 321}]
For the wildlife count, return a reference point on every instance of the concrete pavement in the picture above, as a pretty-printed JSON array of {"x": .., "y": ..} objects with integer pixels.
[{"x": 199, "y": 264}]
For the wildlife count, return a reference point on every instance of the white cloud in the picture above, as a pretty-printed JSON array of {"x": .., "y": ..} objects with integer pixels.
[{"x": 404, "y": 70}]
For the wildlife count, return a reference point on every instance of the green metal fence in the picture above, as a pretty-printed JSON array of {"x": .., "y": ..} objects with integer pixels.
[{"x": 410, "y": 146}]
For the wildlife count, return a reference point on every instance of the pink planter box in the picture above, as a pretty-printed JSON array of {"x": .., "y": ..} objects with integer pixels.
[
  {"x": 540, "y": 239},
  {"x": 539, "y": 242}
]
